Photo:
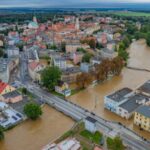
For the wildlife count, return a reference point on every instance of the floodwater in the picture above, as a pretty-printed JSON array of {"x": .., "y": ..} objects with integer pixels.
[
  {"x": 93, "y": 97},
  {"x": 33, "y": 135}
]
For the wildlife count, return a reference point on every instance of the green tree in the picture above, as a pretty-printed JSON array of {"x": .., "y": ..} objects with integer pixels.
[
  {"x": 50, "y": 77},
  {"x": 92, "y": 43},
  {"x": 1, "y": 133},
  {"x": 1, "y": 52},
  {"x": 32, "y": 110},
  {"x": 115, "y": 144},
  {"x": 63, "y": 46},
  {"x": 148, "y": 39},
  {"x": 86, "y": 57},
  {"x": 123, "y": 54},
  {"x": 24, "y": 91}
]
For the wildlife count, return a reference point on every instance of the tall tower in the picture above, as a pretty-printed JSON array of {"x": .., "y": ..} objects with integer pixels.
[
  {"x": 35, "y": 19},
  {"x": 77, "y": 25}
]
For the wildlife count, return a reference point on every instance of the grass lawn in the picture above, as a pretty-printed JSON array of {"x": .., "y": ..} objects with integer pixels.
[
  {"x": 57, "y": 94},
  {"x": 29, "y": 94},
  {"x": 96, "y": 137},
  {"x": 136, "y": 14},
  {"x": 75, "y": 91}
]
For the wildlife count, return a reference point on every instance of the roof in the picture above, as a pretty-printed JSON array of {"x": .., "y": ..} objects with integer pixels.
[
  {"x": 144, "y": 110},
  {"x": 3, "y": 85},
  {"x": 119, "y": 95},
  {"x": 133, "y": 102},
  {"x": 11, "y": 94},
  {"x": 145, "y": 87},
  {"x": 91, "y": 119},
  {"x": 33, "y": 65}
]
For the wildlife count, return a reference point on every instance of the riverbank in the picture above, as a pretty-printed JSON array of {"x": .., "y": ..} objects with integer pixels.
[{"x": 93, "y": 98}]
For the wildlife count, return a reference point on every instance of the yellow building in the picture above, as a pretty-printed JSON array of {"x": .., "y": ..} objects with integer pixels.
[{"x": 142, "y": 117}]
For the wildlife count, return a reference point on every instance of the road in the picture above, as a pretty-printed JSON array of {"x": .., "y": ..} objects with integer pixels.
[
  {"x": 78, "y": 113},
  {"x": 24, "y": 67}
]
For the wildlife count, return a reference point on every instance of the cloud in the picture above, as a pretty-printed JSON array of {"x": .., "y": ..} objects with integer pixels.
[{"x": 57, "y": 3}]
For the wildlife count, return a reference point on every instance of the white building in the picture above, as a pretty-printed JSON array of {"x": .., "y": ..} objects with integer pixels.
[
  {"x": 68, "y": 144},
  {"x": 12, "y": 51},
  {"x": 112, "y": 101},
  {"x": 90, "y": 124},
  {"x": 60, "y": 62},
  {"x": 9, "y": 116}
]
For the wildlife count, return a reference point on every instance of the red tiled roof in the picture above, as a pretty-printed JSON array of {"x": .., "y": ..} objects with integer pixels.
[
  {"x": 33, "y": 65},
  {"x": 2, "y": 86}
]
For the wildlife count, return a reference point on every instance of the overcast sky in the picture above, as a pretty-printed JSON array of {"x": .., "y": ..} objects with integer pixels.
[{"x": 42, "y": 3}]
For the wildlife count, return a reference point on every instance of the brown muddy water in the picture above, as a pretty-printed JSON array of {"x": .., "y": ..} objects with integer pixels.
[
  {"x": 93, "y": 97},
  {"x": 33, "y": 135}
]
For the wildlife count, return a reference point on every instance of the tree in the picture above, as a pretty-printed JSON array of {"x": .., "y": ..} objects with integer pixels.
[
  {"x": 20, "y": 46},
  {"x": 50, "y": 77},
  {"x": 123, "y": 54},
  {"x": 148, "y": 39},
  {"x": 115, "y": 144},
  {"x": 32, "y": 110},
  {"x": 24, "y": 91},
  {"x": 92, "y": 43},
  {"x": 86, "y": 57},
  {"x": 63, "y": 46},
  {"x": 117, "y": 65},
  {"x": 83, "y": 80},
  {"x": 1, "y": 52},
  {"x": 1, "y": 133}
]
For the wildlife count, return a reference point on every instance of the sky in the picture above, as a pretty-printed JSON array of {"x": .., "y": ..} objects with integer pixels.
[{"x": 53, "y": 3}]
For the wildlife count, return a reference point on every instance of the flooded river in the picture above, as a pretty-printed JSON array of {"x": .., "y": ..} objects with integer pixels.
[
  {"x": 93, "y": 97},
  {"x": 33, "y": 135}
]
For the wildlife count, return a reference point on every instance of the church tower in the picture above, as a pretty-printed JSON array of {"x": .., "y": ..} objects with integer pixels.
[
  {"x": 35, "y": 19},
  {"x": 77, "y": 25}
]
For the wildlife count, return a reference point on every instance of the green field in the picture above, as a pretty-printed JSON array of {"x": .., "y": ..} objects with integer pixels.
[{"x": 136, "y": 14}]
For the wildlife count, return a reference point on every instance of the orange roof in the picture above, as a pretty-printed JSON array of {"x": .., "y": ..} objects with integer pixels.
[
  {"x": 33, "y": 65},
  {"x": 97, "y": 148},
  {"x": 2, "y": 86}
]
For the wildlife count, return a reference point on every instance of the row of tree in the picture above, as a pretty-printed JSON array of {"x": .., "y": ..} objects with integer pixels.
[{"x": 102, "y": 72}]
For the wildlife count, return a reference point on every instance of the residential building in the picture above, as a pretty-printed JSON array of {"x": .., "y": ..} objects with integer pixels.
[
  {"x": 144, "y": 89},
  {"x": 127, "y": 109},
  {"x": 68, "y": 144},
  {"x": 72, "y": 47},
  {"x": 4, "y": 70},
  {"x": 34, "y": 69},
  {"x": 90, "y": 124},
  {"x": 112, "y": 101},
  {"x": 85, "y": 67},
  {"x": 9, "y": 117},
  {"x": 142, "y": 117},
  {"x": 70, "y": 74},
  {"x": 11, "y": 97},
  {"x": 107, "y": 53},
  {"x": 12, "y": 51},
  {"x": 96, "y": 60},
  {"x": 60, "y": 62},
  {"x": 5, "y": 88},
  {"x": 63, "y": 88}
]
